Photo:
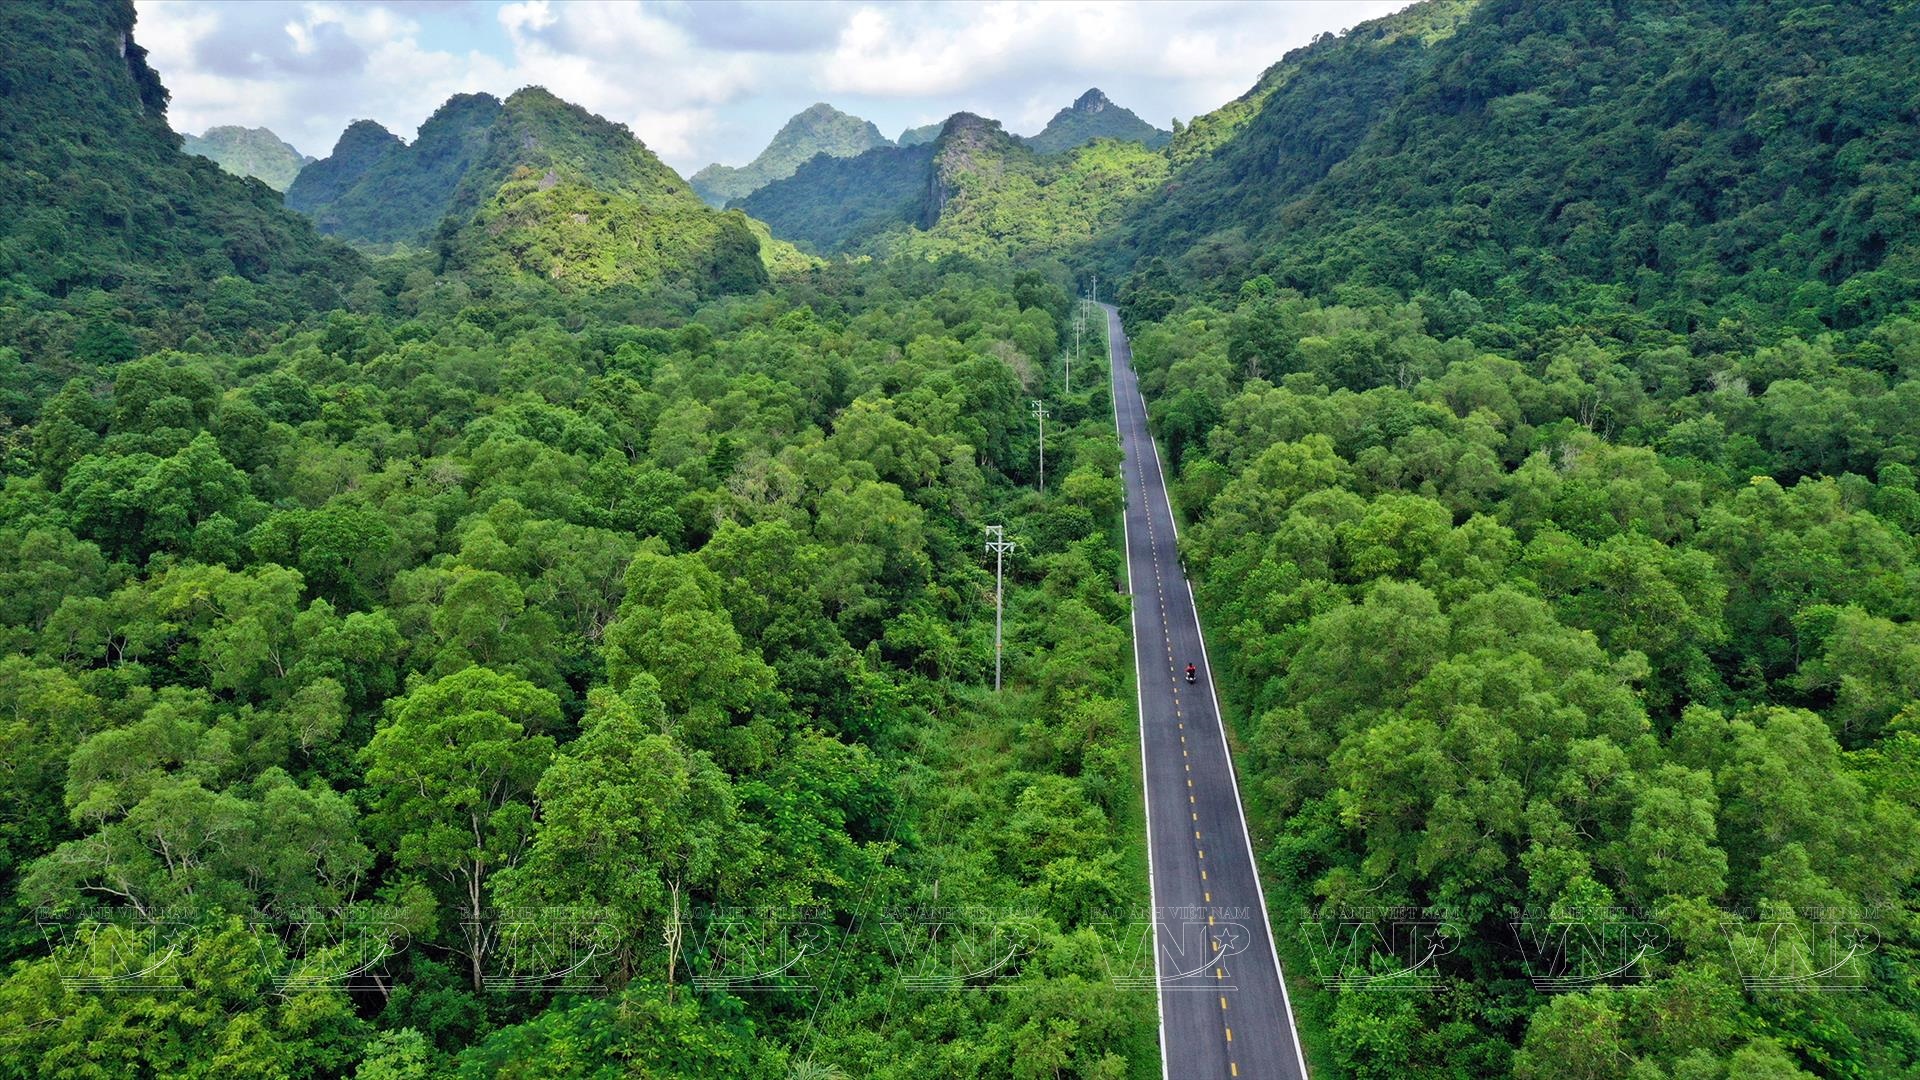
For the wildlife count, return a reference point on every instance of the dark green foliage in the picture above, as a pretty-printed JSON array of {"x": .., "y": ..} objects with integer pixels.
[
  {"x": 1732, "y": 162},
  {"x": 254, "y": 152},
  {"x": 1092, "y": 116},
  {"x": 836, "y": 204},
  {"x": 398, "y": 193},
  {"x": 362, "y": 146},
  {"x": 110, "y": 236},
  {"x": 1239, "y": 166},
  {"x": 817, "y": 129}
]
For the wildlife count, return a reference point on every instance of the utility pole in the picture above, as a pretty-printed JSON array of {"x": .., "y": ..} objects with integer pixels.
[
  {"x": 997, "y": 543},
  {"x": 1040, "y": 413}
]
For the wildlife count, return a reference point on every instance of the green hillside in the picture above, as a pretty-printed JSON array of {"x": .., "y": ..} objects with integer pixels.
[
  {"x": 1421, "y": 161},
  {"x": 535, "y": 186},
  {"x": 818, "y": 129},
  {"x": 1236, "y": 168},
  {"x": 562, "y": 194},
  {"x": 113, "y": 241},
  {"x": 1092, "y": 116},
  {"x": 244, "y": 151}
]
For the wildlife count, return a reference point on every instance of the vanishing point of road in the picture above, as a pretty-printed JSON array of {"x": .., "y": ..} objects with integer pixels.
[{"x": 1223, "y": 1001}]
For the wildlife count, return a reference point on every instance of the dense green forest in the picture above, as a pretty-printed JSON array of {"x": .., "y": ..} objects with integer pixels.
[
  {"x": 1546, "y": 432},
  {"x": 394, "y": 679},
  {"x": 555, "y": 639}
]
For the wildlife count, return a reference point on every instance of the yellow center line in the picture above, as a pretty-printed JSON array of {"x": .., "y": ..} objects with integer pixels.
[
  {"x": 1229, "y": 1034},
  {"x": 1223, "y": 1003}
]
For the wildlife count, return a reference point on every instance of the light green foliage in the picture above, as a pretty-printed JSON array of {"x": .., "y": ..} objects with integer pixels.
[{"x": 454, "y": 771}]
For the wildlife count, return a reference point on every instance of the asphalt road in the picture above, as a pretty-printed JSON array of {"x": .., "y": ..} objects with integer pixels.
[{"x": 1223, "y": 1001}]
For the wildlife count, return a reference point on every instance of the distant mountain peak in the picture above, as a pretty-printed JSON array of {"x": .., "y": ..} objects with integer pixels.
[
  {"x": 364, "y": 133},
  {"x": 1092, "y": 116},
  {"x": 817, "y": 129},
  {"x": 1092, "y": 101},
  {"x": 245, "y": 151},
  {"x": 966, "y": 121}
]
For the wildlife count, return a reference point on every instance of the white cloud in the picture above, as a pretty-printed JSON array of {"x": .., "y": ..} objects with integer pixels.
[{"x": 705, "y": 81}]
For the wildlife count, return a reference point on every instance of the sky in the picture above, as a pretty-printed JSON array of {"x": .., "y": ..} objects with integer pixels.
[{"x": 712, "y": 80}]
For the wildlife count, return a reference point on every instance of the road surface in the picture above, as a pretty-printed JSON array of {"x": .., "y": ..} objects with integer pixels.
[{"x": 1223, "y": 1001}]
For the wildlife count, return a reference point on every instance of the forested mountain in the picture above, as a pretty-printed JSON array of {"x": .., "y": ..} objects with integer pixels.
[
  {"x": 534, "y": 186},
  {"x": 1729, "y": 147},
  {"x": 818, "y": 129},
  {"x": 974, "y": 190},
  {"x": 113, "y": 241},
  {"x": 361, "y": 146},
  {"x": 1092, "y": 116},
  {"x": 377, "y": 189},
  {"x": 245, "y": 151},
  {"x": 1540, "y": 379},
  {"x": 563, "y": 194},
  {"x": 839, "y": 204}
]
